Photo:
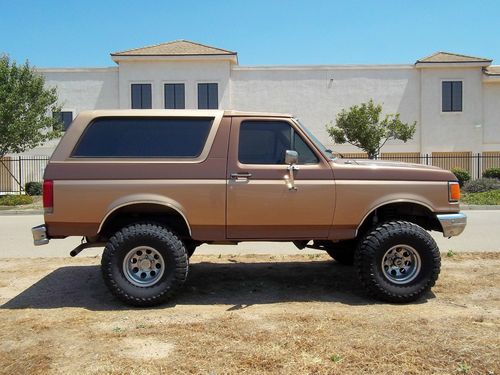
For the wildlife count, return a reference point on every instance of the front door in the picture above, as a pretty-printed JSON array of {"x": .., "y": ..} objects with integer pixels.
[{"x": 263, "y": 200}]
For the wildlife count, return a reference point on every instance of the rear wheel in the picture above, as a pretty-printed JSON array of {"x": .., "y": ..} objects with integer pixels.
[
  {"x": 397, "y": 261},
  {"x": 144, "y": 264}
]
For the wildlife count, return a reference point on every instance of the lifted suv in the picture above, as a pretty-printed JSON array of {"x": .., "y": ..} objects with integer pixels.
[{"x": 152, "y": 185}]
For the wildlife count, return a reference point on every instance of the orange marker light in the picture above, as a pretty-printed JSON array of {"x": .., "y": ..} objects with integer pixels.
[{"x": 453, "y": 191}]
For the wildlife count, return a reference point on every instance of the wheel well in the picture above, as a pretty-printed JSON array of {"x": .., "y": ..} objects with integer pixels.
[
  {"x": 137, "y": 212},
  {"x": 407, "y": 211}
]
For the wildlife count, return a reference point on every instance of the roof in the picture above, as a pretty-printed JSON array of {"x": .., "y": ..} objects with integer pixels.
[
  {"x": 178, "y": 113},
  {"x": 448, "y": 57},
  {"x": 492, "y": 70},
  {"x": 175, "y": 48}
]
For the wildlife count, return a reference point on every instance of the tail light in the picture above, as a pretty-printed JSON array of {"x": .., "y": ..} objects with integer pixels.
[
  {"x": 453, "y": 191},
  {"x": 48, "y": 196}
]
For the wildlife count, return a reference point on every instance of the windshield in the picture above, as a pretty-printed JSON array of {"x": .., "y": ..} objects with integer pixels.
[{"x": 328, "y": 153}]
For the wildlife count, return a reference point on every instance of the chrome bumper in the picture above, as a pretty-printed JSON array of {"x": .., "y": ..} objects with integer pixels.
[
  {"x": 40, "y": 235},
  {"x": 452, "y": 224}
]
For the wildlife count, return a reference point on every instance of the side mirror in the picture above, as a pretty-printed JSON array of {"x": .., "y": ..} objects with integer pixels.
[{"x": 291, "y": 157}]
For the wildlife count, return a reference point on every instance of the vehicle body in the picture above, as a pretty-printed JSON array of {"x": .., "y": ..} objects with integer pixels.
[{"x": 232, "y": 177}]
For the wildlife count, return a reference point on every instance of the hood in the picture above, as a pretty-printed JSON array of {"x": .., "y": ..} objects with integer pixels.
[
  {"x": 387, "y": 163},
  {"x": 366, "y": 169}
]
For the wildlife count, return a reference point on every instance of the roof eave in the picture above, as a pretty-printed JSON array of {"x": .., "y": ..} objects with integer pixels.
[
  {"x": 452, "y": 64},
  {"x": 233, "y": 58}
]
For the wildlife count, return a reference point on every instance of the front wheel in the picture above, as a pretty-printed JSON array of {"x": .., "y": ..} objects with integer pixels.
[
  {"x": 144, "y": 264},
  {"x": 397, "y": 261}
]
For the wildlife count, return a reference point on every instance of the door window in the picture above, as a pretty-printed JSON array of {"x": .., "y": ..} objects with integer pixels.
[{"x": 265, "y": 142}]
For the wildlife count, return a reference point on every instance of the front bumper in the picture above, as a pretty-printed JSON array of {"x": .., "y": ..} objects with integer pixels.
[
  {"x": 40, "y": 235},
  {"x": 452, "y": 224}
]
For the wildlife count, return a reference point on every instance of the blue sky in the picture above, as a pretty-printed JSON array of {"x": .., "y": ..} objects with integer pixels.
[{"x": 271, "y": 32}]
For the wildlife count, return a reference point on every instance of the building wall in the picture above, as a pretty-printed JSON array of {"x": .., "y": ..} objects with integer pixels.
[
  {"x": 451, "y": 131},
  {"x": 317, "y": 94},
  {"x": 188, "y": 72},
  {"x": 78, "y": 90},
  {"x": 491, "y": 110}
]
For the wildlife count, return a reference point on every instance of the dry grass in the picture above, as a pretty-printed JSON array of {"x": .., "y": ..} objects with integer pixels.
[{"x": 250, "y": 315}]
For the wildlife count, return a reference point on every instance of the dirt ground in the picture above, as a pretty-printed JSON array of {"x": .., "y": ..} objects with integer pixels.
[{"x": 249, "y": 315}]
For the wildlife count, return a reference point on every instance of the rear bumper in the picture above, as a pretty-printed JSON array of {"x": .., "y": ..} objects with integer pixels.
[
  {"x": 452, "y": 224},
  {"x": 40, "y": 235}
]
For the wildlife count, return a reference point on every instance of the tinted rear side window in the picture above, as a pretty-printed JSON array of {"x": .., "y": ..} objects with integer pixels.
[{"x": 144, "y": 138}]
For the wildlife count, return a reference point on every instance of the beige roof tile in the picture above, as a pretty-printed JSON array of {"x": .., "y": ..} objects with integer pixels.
[
  {"x": 492, "y": 70},
  {"x": 175, "y": 48},
  {"x": 448, "y": 57}
]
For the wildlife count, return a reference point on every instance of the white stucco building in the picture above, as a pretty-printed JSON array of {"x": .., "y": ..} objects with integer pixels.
[{"x": 455, "y": 99}]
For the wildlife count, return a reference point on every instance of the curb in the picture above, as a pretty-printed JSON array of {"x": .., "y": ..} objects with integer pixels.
[
  {"x": 473, "y": 207},
  {"x": 20, "y": 212}
]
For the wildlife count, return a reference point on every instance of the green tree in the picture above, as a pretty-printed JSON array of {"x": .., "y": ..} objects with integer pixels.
[
  {"x": 26, "y": 108},
  {"x": 363, "y": 127}
]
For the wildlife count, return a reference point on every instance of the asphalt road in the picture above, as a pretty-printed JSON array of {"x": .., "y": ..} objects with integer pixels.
[{"x": 482, "y": 234}]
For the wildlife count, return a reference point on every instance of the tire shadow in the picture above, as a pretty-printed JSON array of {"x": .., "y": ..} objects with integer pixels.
[{"x": 238, "y": 285}]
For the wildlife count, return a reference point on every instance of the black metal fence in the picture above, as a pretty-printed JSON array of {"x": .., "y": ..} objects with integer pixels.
[{"x": 16, "y": 171}]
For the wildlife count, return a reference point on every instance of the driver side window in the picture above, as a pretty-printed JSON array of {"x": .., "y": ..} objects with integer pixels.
[{"x": 265, "y": 142}]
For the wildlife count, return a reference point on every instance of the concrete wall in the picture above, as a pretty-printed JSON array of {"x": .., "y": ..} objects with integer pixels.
[
  {"x": 317, "y": 94},
  {"x": 188, "y": 72}
]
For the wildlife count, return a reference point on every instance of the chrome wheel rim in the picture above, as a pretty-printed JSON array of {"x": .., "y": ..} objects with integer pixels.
[
  {"x": 143, "y": 266},
  {"x": 401, "y": 264}
]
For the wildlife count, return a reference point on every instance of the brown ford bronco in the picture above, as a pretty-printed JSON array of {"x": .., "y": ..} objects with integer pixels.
[{"x": 152, "y": 185}]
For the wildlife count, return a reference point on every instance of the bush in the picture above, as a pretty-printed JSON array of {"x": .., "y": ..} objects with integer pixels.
[
  {"x": 462, "y": 175},
  {"x": 15, "y": 200},
  {"x": 488, "y": 197},
  {"x": 481, "y": 185},
  {"x": 33, "y": 188},
  {"x": 492, "y": 173}
]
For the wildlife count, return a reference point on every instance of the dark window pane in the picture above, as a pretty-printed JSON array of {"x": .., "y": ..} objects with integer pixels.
[
  {"x": 146, "y": 96},
  {"x": 179, "y": 96},
  {"x": 136, "y": 96},
  {"x": 202, "y": 96},
  {"x": 446, "y": 96},
  {"x": 264, "y": 142},
  {"x": 169, "y": 96},
  {"x": 213, "y": 96},
  {"x": 144, "y": 137},
  {"x": 456, "y": 100},
  {"x": 306, "y": 156},
  {"x": 141, "y": 96}
]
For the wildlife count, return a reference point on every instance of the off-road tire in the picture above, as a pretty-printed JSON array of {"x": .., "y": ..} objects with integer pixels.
[
  {"x": 162, "y": 240},
  {"x": 370, "y": 253},
  {"x": 342, "y": 252}
]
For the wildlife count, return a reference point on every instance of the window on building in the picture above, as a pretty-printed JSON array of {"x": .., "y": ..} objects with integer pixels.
[
  {"x": 65, "y": 118},
  {"x": 144, "y": 137},
  {"x": 265, "y": 142},
  {"x": 174, "y": 96},
  {"x": 452, "y": 96},
  {"x": 208, "y": 96},
  {"x": 141, "y": 96}
]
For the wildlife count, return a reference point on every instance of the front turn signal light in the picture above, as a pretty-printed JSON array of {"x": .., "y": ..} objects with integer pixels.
[{"x": 453, "y": 191}]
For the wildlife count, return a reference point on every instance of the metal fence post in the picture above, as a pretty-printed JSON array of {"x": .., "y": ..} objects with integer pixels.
[{"x": 20, "y": 174}]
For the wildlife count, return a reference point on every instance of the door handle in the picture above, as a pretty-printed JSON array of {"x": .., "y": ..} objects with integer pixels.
[{"x": 242, "y": 175}]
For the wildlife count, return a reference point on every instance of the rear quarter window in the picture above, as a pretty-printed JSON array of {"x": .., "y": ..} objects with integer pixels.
[{"x": 139, "y": 137}]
